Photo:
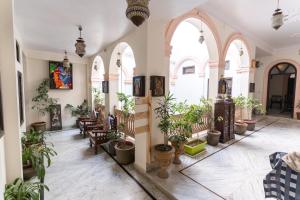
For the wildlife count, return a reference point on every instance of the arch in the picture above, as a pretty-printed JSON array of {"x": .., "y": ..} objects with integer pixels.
[
  {"x": 232, "y": 38},
  {"x": 98, "y": 69},
  {"x": 193, "y": 14},
  {"x": 200, "y": 65},
  {"x": 266, "y": 78}
]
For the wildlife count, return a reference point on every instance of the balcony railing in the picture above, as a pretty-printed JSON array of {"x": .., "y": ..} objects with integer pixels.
[
  {"x": 128, "y": 129},
  {"x": 198, "y": 127}
]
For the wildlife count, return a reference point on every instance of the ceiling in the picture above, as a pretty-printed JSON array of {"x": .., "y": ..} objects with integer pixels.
[
  {"x": 52, "y": 25},
  {"x": 253, "y": 17}
]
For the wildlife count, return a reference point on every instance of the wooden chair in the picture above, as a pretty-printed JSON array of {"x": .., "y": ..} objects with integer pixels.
[
  {"x": 98, "y": 137},
  {"x": 92, "y": 123}
]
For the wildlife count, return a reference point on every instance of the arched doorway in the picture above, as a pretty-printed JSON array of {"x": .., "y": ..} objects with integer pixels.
[
  {"x": 237, "y": 58},
  {"x": 121, "y": 70},
  {"x": 281, "y": 90},
  {"x": 97, "y": 76}
]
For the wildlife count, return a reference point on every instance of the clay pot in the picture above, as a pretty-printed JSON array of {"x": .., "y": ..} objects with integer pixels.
[
  {"x": 163, "y": 155},
  {"x": 28, "y": 171},
  {"x": 213, "y": 137},
  {"x": 298, "y": 115},
  {"x": 39, "y": 126},
  {"x": 178, "y": 151},
  {"x": 125, "y": 152},
  {"x": 240, "y": 128},
  {"x": 251, "y": 124},
  {"x": 111, "y": 146}
]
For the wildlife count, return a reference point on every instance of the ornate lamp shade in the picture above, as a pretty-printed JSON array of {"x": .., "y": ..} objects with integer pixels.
[
  {"x": 137, "y": 11},
  {"x": 80, "y": 45},
  {"x": 277, "y": 19},
  {"x": 66, "y": 62},
  {"x": 201, "y": 38}
]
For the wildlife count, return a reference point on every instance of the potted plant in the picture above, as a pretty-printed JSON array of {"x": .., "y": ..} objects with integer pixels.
[
  {"x": 32, "y": 137},
  {"x": 163, "y": 152},
  {"x": 20, "y": 190},
  {"x": 82, "y": 111},
  {"x": 213, "y": 135},
  {"x": 252, "y": 104},
  {"x": 181, "y": 130},
  {"x": 125, "y": 149},
  {"x": 114, "y": 137},
  {"x": 98, "y": 97},
  {"x": 240, "y": 127},
  {"x": 42, "y": 104},
  {"x": 298, "y": 113}
]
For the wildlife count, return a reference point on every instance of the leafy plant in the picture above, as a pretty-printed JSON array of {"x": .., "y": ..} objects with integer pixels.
[
  {"x": 240, "y": 103},
  {"x": 254, "y": 104},
  {"x": 114, "y": 135},
  {"x": 20, "y": 190},
  {"x": 164, "y": 112},
  {"x": 42, "y": 101},
  {"x": 36, "y": 154},
  {"x": 127, "y": 103},
  {"x": 98, "y": 97},
  {"x": 80, "y": 110},
  {"x": 32, "y": 137}
]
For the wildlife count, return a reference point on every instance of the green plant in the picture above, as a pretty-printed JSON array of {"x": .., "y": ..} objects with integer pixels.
[
  {"x": 164, "y": 111},
  {"x": 254, "y": 104},
  {"x": 32, "y": 137},
  {"x": 240, "y": 103},
  {"x": 98, "y": 96},
  {"x": 114, "y": 135},
  {"x": 42, "y": 102},
  {"x": 20, "y": 190},
  {"x": 127, "y": 103},
  {"x": 80, "y": 110},
  {"x": 36, "y": 154}
]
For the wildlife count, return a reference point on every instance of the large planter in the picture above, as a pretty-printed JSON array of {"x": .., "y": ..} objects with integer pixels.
[
  {"x": 240, "y": 128},
  {"x": 28, "y": 171},
  {"x": 163, "y": 155},
  {"x": 213, "y": 137},
  {"x": 111, "y": 146},
  {"x": 298, "y": 115},
  {"x": 39, "y": 126},
  {"x": 125, "y": 152},
  {"x": 194, "y": 147},
  {"x": 251, "y": 124},
  {"x": 178, "y": 151}
]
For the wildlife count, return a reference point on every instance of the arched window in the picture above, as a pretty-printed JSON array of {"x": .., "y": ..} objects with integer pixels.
[{"x": 97, "y": 76}]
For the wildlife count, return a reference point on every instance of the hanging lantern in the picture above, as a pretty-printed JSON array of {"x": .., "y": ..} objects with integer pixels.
[
  {"x": 241, "y": 51},
  {"x": 80, "y": 44},
  {"x": 201, "y": 38},
  {"x": 277, "y": 18},
  {"x": 137, "y": 11},
  {"x": 96, "y": 66},
  {"x": 66, "y": 63},
  {"x": 119, "y": 63}
]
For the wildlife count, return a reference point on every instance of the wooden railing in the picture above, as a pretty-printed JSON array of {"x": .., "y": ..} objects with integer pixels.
[
  {"x": 199, "y": 126},
  {"x": 128, "y": 129}
]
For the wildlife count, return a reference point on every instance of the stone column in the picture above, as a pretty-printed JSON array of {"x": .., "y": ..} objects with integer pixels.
[{"x": 12, "y": 143}]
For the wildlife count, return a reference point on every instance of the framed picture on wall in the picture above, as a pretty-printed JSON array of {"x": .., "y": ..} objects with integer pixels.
[
  {"x": 229, "y": 86},
  {"x": 20, "y": 95},
  {"x": 138, "y": 86},
  {"x": 105, "y": 87},
  {"x": 61, "y": 77},
  {"x": 55, "y": 117},
  {"x": 1, "y": 114},
  {"x": 157, "y": 86},
  {"x": 252, "y": 87}
]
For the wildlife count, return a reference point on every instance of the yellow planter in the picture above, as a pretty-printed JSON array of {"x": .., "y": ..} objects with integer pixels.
[{"x": 192, "y": 149}]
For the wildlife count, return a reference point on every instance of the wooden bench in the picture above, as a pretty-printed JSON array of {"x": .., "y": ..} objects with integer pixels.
[{"x": 98, "y": 137}]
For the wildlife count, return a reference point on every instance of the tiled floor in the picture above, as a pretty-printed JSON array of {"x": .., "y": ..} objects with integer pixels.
[{"x": 77, "y": 174}]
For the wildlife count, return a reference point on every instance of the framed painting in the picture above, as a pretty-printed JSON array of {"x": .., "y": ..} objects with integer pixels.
[
  {"x": 157, "y": 86},
  {"x": 55, "y": 117},
  {"x": 20, "y": 94},
  {"x": 1, "y": 114},
  {"x": 188, "y": 70},
  {"x": 138, "y": 86},
  {"x": 105, "y": 87},
  {"x": 229, "y": 86},
  {"x": 61, "y": 78},
  {"x": 252, "y": 87}
]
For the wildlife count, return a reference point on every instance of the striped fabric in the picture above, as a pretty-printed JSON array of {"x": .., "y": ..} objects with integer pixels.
[{"x": 282, "y": 182}]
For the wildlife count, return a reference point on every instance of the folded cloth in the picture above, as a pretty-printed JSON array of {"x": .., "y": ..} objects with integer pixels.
[{"x": 292, "y": 159}]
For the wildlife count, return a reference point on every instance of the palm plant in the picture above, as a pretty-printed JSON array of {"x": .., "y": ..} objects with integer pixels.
[
  {"x": 127, "y": 103},
  {"x": 240, "y": 103},
  {"x": 98, "y": 97},
  {"x": 20, "y": 190},
  {"x": 80, "y": 110},
  {"x": 32, "y": 137},
  {"x": 254, "y": 104}
]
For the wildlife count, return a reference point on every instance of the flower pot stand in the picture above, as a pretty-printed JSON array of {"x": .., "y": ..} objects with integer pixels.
[
  {"x": 178, "y": 151},
  {"x": 163, "y": 157}
]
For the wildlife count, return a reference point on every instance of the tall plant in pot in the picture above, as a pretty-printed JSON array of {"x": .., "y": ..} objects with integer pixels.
[
  {"x": 98, "y": 97},
  {"x": 81, "y": 111},
  {"x": 213, "y": 135},
  {"x": 252, "y": 104},
  {"x": 125, "y": 149},
  {"x": 298, "y": 113},
  {"x": 240, "y": 127},
  {"x": 42, "y": 104},
  {"x": 163, "y": 152}
]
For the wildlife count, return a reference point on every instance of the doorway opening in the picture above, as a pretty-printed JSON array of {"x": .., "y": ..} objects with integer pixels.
[{"x": 281, "y": 90}]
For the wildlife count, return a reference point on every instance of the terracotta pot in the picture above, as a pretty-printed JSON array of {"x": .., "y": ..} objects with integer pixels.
[
  {"x": 213, "y": 137},
  {"x": 178, "y": 151},
  {"x": 251, "y": 124},
  {"x": 163, "y": 155},
  {"x": 240, "y": 128},
  {"x": 111, "y": 146},
  {"x": 39, "y": 126},
  {"x": 125, "y": 152},
  {"x": 298, "y": 115}
]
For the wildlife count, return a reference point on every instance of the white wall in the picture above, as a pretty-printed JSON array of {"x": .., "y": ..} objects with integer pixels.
[
  {"x": 2, "y": 168},
  {"x": 37, "y": 69}
]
